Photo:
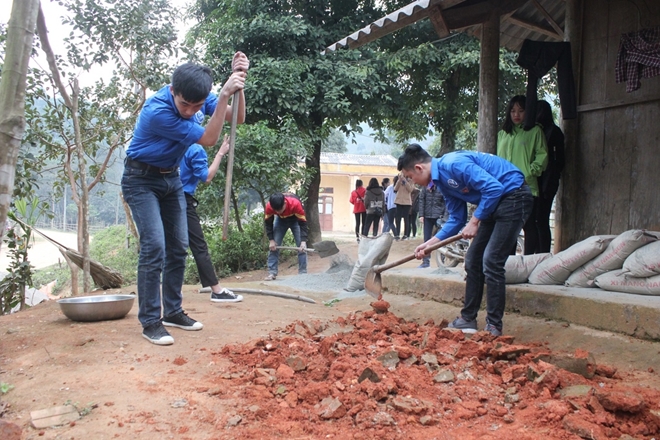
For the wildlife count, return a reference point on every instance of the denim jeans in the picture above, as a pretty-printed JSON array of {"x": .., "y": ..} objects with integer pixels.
[
  {"x": 428, "y": 225},
  {"x": 159, "y": 211},
  {"x": 386, "y": 223},
  {"x": 488, "y": 252},
  {"x": 280, "y": 226}
]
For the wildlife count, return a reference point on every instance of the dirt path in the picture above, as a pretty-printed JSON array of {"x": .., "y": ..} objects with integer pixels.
[{"x": 208, "y": 385}]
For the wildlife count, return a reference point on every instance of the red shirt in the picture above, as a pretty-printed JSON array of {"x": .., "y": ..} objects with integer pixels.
[
  {"x": 292, "y": 208},
  {"x": 357, "y": 199}
]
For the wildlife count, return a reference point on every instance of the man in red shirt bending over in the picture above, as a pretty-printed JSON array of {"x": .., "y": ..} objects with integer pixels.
[{"x": 284, "y": 212}]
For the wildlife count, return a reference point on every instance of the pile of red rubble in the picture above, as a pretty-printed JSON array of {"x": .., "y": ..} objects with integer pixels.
[{"x": 376, "y": 376}]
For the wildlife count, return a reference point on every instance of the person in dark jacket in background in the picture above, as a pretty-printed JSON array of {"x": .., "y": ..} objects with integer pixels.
[
  {"x": 549, "y": 179},
  {"x": 357, "y": 200},
  {"x": 374, "y": 201},
  {"x": 414, "y": 211},
  {"x": 431, "y": 209},
  {"x": 386, "y": 222}
]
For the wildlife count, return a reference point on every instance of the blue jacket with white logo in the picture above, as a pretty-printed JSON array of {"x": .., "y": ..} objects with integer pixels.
[{"x": 472, "y": 177}]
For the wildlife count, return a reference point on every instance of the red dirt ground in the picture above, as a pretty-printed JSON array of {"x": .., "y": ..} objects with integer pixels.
[{"x": 271, "y": 368}]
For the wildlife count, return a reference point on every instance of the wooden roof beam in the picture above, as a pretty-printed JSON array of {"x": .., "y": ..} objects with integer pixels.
[
  {"x": 534, "y": 27},
  {"x": 551, "y": 20},
  {"x": 438, "y": 22}
]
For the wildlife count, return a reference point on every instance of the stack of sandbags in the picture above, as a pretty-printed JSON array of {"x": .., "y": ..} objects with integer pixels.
[
  {"x": 556, "y": 269},
  {"x": 640, "y": 273},
  {"x": 611, "y": 258},
  {"x": 519, "y": 267}
]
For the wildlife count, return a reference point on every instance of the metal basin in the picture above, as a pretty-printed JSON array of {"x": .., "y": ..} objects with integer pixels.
[{"x": 97, "y": 307}]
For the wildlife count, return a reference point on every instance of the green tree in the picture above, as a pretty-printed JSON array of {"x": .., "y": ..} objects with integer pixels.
[
  {"x": 289, "y": 75},
  {"x": 82, "y": 127},
  {"x": 334, "y": 143}
]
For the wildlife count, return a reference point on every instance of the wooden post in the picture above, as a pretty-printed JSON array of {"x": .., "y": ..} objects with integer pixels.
[
  {"x": 488, "y": 84},
  {"x": 566, "y": 202}
]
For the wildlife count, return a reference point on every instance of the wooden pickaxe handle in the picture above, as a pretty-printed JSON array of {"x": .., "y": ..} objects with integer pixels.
[{"x": 230, "y": 164}]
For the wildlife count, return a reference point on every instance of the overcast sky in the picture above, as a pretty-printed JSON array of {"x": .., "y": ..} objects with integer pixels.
[{"x": 58, "y": 31}]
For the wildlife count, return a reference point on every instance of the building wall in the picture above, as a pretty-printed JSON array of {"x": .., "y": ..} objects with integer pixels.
[
  {"x": 614, "y": 180},
  {"x": 340, "y": 179}
]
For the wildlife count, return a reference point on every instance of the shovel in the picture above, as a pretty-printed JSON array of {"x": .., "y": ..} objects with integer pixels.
[
  {"x": 373, "y": 283},
  {"x": 323, "y": 248}
]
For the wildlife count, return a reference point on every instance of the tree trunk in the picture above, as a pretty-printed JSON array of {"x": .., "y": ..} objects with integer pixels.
[
  {"x": 311, "y": 205},
  {"x": 20, "y": 35}
]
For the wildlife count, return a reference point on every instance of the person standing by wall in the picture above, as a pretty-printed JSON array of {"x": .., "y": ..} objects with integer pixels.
[
  {"x": 169, "y": 123},
  {"x": 386, "y": 222},
  {"x": 403, "y": 189},
  {"x": 431, "y": 209},
  {"x": 195, "y": 169},
  {"x": 525, "y": 149},
  {"x": 503, "y": 202},
  {"x": 549, "y": 180},
  {"x": 414, "y": 211},
  {"x": 359, "y": 211},
  {"x": 374, "y": 200},
  {"x": 391, "y": 207},
  {"x": 285, "y": 212}
]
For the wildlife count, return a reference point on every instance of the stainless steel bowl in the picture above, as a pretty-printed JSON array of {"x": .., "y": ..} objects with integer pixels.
[{"x": 97, "y": 307}]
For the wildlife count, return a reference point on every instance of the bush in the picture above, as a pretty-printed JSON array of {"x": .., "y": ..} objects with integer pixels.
[{"x": 109, "y": 248}]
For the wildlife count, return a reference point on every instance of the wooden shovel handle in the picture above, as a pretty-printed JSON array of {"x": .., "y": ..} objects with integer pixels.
[
  {"x": 445, "y": 242},
  {"x": 230, "y": 164}
]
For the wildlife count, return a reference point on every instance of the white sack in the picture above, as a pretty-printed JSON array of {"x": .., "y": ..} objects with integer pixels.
[
  {"x": 617, "y": 281},
  {"x": 518, "y": 267},
  {"x": 611, "y": 258},
  {"x": 556, "y": 269},
  {"x": 644, "y": 262},
  {"x": 371, "y": 251}
]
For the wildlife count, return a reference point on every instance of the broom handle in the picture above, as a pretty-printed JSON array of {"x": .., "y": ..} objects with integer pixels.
[
  {"x": 230, "y": 164},
  {"x": 410, "y": 257}
]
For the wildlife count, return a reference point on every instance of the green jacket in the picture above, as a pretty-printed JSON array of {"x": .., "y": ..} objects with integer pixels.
[{"x": 526, "y": 150}]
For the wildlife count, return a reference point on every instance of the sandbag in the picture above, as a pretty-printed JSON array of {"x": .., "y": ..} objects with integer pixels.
[
  {"x": 617, "y": 281},
  {"x": 371, "y": 251},
  {"x": 644, "y": 262},
  {"x": 518, "y": 267},
  {"x": 556, "y": 269},
  {"x": 611, "y": 258}
]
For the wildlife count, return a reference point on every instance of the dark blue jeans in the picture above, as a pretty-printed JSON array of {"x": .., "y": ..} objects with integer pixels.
[
  {"x": 159, "y": 211},
  {"x": 428, "y": 224},
  {"x": 280, "y": 226},
  {"x": 488, "y": 252}
]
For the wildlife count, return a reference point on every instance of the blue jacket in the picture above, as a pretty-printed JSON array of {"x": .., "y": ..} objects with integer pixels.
[
  {"x": 194, "y": 168},
  {"x": 161, "y": 135},
  {"x": 471, "y": 177}
]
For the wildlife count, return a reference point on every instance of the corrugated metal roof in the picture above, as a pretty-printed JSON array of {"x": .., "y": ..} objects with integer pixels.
[
  {"x": 523, "y": 19},
  {"x": 358, "y": 159}
]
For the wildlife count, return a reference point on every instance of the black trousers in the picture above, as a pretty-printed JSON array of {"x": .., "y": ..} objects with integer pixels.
[
  {"x": 543, "y": 210},
  {"x": 402, "y": 212},
  {"x": 198, "y": 245},
  {"x": 371, "y": 219},
  {"x": 360, "y": 218}
]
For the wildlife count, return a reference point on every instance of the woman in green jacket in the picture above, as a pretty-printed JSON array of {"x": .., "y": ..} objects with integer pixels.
[{"x": 527, "y": 150}]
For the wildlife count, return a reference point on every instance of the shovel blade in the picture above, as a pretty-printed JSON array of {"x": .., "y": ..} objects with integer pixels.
[
  {"x": 373, "y": 284},
  {"x": 325, "y": 248}
]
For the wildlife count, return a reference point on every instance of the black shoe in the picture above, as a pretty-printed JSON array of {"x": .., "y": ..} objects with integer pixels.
[
  {"x": 226, "y": 296},
  {"x": 182, "y": 321},
  {"x": 156, "y": 334}
]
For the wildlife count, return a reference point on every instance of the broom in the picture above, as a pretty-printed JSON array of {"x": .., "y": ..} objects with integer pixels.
[{"x": 103, "y": 276}]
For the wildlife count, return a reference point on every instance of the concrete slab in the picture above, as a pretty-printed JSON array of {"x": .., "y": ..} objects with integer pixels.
[{"x": 633, "y": 315}]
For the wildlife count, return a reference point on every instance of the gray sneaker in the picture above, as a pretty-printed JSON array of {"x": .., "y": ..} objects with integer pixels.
[
  {"x": 156, "y": 334},
  {"x": 225, "y": 295},
  {"x": 490, "y": 328},
  {"x": 183, "y": 321},
  {"x": 463, "y": 325}
]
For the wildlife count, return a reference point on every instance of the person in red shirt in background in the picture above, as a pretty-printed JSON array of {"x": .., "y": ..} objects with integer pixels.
[
  {"x": 359, "y": 210},
  {"x": 284, "y": 212}
]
